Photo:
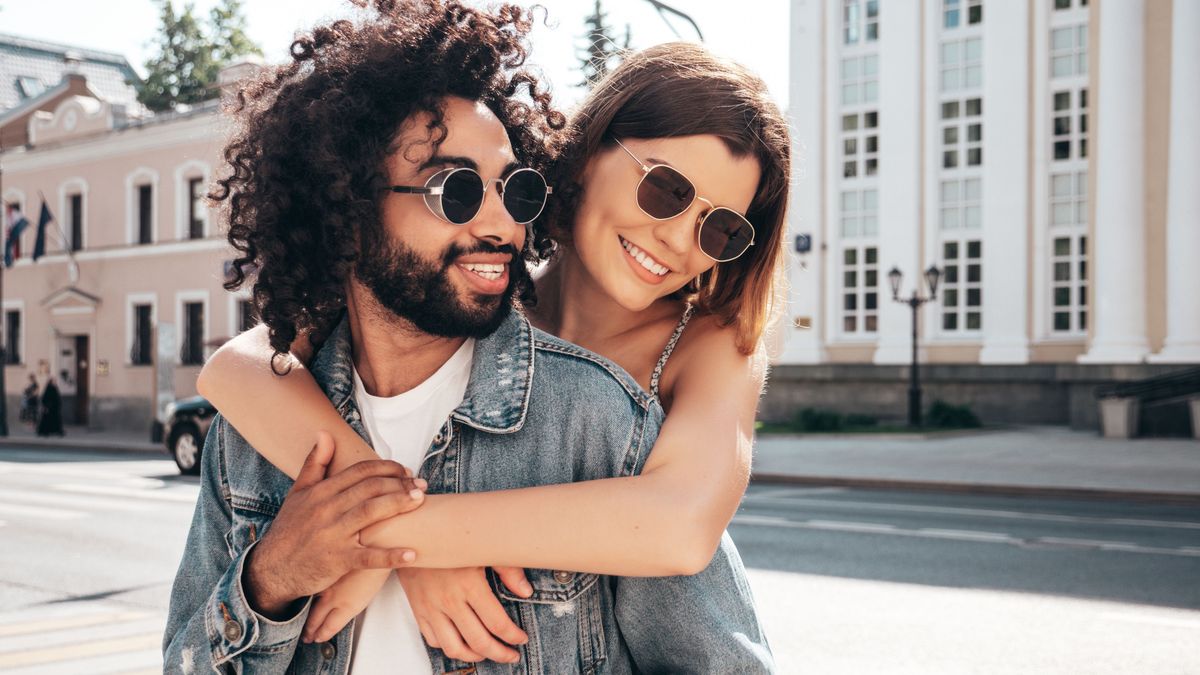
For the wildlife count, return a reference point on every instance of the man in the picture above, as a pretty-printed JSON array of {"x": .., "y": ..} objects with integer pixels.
[{"x": 427, "y": 282}]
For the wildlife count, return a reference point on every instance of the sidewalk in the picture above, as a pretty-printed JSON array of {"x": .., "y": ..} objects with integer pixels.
[{"x": 1048, "y": 461}]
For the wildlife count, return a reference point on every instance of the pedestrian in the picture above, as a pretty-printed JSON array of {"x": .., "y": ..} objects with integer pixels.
[
  {"x": 50, "y": 421},
  {"x": 29, "y": 402},
  {"x": 421, "y": 353}
]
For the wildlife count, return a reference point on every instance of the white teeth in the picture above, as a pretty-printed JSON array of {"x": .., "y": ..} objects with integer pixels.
[
  {"x": 643, "y": 259},
  {"x": 487, "y": 271}
]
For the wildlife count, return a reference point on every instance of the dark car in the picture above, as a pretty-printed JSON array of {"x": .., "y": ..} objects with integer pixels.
[{"x": 187, "y": 424}]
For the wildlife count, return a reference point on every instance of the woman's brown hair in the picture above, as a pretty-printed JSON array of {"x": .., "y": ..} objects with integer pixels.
[{"x": 681, "y": 89}]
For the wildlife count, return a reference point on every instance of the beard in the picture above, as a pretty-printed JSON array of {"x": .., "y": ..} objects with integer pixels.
[{"x": 421, "y": 292}]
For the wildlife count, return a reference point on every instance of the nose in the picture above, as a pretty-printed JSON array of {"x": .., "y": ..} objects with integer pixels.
[
  {"x": 494, "y": 223},
  {"x": 678, "y": 234}
]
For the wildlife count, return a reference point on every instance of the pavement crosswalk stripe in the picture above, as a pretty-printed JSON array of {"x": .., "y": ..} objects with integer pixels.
[
  {"x": 72, "y": 500},
  {"x": 40, "y": 511},
  {"x": 62, "y": 623},
  {"x": 140, "y": 661},
  {"x": 81, "y": 650},
  {"x": 182, "y": 497}
]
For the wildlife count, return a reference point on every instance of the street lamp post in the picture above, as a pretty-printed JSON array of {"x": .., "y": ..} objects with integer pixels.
[{"x": 932, "y": 275}]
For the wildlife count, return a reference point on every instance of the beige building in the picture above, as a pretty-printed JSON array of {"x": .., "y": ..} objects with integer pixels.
[
  {"x": 1044, "y": 154},
  {"x": 134, "y": 247}
]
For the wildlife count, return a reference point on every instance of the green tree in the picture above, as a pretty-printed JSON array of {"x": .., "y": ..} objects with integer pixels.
[
  {"x": 190, "y": 58},
  {"x": 601, "y": 52}
]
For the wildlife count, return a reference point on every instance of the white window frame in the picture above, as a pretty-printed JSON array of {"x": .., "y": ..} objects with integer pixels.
[
  {"x": 964, "y": 13},
  {"x": 954, "y": 58},
  {"x": 16, "y": 305},
  {"x": 860, "y": 290},
  {"x": 67, "y": 188},
  {"x": 1073, "y": 53},
  {"x": 856, "y": 20},
  {"x": 961, "y": 286},
  {"x": 183, "y": 173},
  {"x": 1076, "y": 282},
  {"x": 860, "y": 80},
  {"x": 132, "y": 300},
  {"x": 235, "y": 317},
  {"x": 16, "y": 195},
  {"x": 182, "y": 298},
  {"x": 956, "y": 198},
  {"x": 138, "y": 177}
]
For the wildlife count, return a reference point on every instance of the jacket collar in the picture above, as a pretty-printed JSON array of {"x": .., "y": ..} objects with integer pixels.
[{"x": 498, "y": 390}]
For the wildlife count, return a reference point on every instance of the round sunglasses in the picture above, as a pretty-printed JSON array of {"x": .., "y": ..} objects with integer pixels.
[
  {"x": 456, "y": 195},
  {"x": 664, "y": 193}
]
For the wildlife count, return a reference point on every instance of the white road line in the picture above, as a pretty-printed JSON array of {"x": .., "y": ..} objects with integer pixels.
[
  {"x": 993, "y": 513},
  {"x": 1174, "y": 622},
  {"x": 966, "y": 535},
  {"x": 183, "y": 495},
  {"x": 53, "y": 498},
  {"x": 40, "y": 512}
]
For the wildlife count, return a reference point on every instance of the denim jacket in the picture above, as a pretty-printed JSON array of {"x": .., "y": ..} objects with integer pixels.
[{"x": 537, "y": 411}]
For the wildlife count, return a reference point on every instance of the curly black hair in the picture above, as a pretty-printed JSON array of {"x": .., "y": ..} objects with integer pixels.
[{"x": 306, "y": 163}]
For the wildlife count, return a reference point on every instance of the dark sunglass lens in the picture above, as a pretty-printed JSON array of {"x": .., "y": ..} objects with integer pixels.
[
  {"x": 665, "y": 193},
  {"x": 525, "y": 195},
  {"x": 462, "y": 195},
  {"x": 725, "y": 234}
]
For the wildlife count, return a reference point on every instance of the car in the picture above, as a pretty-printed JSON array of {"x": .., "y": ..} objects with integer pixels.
[{"x": 187, "y": 425}]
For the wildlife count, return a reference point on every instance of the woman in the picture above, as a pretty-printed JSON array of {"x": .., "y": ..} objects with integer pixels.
[{"x": 671, "y": 187}]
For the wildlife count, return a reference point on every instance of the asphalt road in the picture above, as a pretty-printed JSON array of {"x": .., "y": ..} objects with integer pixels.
[{"x": 847, "y": 581}]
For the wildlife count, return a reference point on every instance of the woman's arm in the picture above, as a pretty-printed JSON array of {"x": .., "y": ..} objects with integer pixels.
[{"x": 668, "y": 520}]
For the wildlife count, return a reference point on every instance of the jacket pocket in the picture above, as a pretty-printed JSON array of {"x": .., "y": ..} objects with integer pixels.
[{"x": 565, "y": 620}]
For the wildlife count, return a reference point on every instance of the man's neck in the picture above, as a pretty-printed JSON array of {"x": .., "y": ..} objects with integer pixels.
[{"x": 391, "y": 355}]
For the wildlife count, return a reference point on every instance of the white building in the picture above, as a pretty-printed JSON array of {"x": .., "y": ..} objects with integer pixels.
[{"x": 1044, "y": 154}]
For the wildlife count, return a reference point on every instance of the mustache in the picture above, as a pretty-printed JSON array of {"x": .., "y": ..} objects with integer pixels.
[{"x": 455, "y": 251}]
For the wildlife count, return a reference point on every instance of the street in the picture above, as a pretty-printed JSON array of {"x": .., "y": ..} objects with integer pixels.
[{"x": 847, "y": 581}]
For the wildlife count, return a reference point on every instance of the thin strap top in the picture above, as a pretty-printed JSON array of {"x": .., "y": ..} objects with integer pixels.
[{"x": 666, "y": 353}]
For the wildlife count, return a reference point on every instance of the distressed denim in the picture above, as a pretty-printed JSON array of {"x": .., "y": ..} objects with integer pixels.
[{"x": 537, "y": 411}]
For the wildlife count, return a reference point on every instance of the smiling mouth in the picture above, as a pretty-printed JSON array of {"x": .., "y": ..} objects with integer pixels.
[
  {"x": 491, "y": 272},
  {"x": 642, "y": 259}
]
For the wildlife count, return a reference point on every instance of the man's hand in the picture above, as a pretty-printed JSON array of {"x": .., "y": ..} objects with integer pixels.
[{"x": 313, "y": 541}]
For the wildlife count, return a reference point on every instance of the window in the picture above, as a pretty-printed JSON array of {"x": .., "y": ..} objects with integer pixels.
[
  {"x": 192, "y": 352},
  {"x": 75, "y": 204},
  {"x": 29, "y": 86},
  {"x": 860, "y": 79},
  {"x": 1068, "y": 51},
  {"x": 196, "y": 208},
  {"x": 962, "y": 64},
  {"x": 1068, "y": 199},
  {"x": 860, "y": 213},
  {"x": 962, "y": 133},
  {"x": 960, "y": 200},
  {"x": 860, "y": 144},
  {"x": 247, "y": 315},
  {"x": 860, "y": 21},
  {"x": 953, "y": 10},
  {"x": 12, "y": 336},
  {"x": 1069, "y": 286},
  {"x": 860, "y": 290},
  {"x": 1069, "y": 4},
  {"x": 140, "y": 353},
  {"x": 145, "y": 233},
  {"x": 1070, "y": 139},
  {"x": 962, "y": 279}
]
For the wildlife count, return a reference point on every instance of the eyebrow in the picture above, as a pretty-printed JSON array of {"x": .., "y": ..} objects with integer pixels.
[{"x": 464, "y": 162}]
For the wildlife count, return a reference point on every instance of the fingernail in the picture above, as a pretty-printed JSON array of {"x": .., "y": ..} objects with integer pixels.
[
  {"x": 416, "y": 494},
  {"x": 409, "y": 556},
  {"x": 421, "y": 483}
]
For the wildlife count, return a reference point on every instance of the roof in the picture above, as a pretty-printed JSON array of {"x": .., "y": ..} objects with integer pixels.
[{"x": 108, "y": 74}]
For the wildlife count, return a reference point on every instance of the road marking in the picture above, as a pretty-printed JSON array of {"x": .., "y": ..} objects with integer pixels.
[
  {"x": 40, "y": 511},
  {"x": 166, "y": 495},
  {"x": 78, "y": 651},
  {"x": 74, "y": 500},
  {"x": 62, "y": 623},
  {"x": 962, "y": 535},
  {"x": 1174, "y": 622},
  {"x": 994, "y": 513}
]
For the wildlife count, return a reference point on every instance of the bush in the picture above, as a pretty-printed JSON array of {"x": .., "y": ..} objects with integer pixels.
[
  {"x": 811, "y": 419},
  {"x": 854, "y": 420},
  {"x": 947, "y": 416}
]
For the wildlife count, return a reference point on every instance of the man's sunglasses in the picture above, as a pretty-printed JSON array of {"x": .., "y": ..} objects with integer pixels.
[
  {"x": 456, "y": 195},
  {"x": 663, "y": 193}
]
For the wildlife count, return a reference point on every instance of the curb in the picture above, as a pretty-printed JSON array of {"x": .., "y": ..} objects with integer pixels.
[
  {"x": 997, "y": 489},
  {"x": 96, "y": 445}
]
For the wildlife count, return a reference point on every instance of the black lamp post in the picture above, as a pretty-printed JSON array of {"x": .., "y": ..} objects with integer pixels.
[{"x": 932, "y": 276}]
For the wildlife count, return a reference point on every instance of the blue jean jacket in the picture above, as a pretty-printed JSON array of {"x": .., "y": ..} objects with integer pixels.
[{"x": 537, "y": 411}]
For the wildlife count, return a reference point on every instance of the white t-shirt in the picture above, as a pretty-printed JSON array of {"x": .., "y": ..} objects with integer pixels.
[{"x": 387, "y": 638}]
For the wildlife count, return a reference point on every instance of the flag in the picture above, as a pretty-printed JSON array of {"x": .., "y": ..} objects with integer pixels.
[
  {"x": 17, "y": 222},
  {"x": 39, "y": 244}
]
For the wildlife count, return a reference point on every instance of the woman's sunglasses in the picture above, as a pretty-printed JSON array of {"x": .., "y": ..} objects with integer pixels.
[
  {"x": 663, "y": 193},
  {"x": 456, "y": 195}
]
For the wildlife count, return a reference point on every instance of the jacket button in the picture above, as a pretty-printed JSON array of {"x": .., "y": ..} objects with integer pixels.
[
  {"x": 233, "y": 631},
  {"x": 328, "y": 651},
  {"x": 564, "y": 577}
]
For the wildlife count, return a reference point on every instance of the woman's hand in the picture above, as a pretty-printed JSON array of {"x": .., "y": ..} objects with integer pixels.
[
  {"x": 458, "y": 613},
  {"x": 341, "y": 602}
]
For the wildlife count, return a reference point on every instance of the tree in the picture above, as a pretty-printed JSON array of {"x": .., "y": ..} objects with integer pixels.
[
  {"x": 601, "y": 52},
  {"x": 190, "y": 59}
]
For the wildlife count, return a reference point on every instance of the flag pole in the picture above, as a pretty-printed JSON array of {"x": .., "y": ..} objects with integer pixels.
[
  {"x": 68, "y": 246},
  {"x": 4, "y": 343}
]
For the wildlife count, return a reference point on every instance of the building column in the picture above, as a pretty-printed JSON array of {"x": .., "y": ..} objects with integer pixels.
[
  {"x": 1118, "y": 274},
  {"x": 899, "y": 174},
  {"x": 802, "y": 325},
  {"x": 1183, "y": 198},
  {"x": 1006, "y": 44}
]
